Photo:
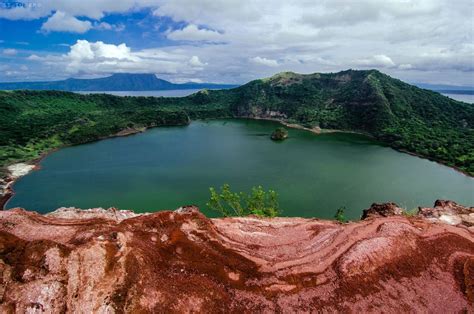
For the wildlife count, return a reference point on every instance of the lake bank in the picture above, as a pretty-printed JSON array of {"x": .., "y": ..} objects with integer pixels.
[
  {"x": 10, "y": 173},
  {"x": 8, "y": 179},
  {"x": 151, "y": 171}
]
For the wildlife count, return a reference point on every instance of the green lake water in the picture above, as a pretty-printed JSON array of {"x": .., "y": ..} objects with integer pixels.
[{"x": 165, "y": 168}]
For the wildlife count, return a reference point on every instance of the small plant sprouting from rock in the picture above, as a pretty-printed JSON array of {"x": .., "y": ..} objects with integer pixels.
[
  {"x": 258, "y": 202},
  {"x": 340, "y": 214},
  {"x": 410, "y": 213}
]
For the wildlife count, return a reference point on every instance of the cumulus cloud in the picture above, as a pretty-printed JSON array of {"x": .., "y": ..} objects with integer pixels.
[
  {"x": 193, "y": 33},
  {"x": 407, "y": 38},
  {"x": 376, "y": 61},
  {"x": 264, "y": 61},
  {"x": 406, "y": 66},
  {"x": 24, "y": 12},
  {"x": 10, "y": 52},
  {"x": 34, "y": 57},
  {"x": 62, "y": 22},
  {"x": 87, "y": 8},
  {"x": 349, "y": 12},
  {"x": 195, "y": 62},
  {"x": 84, "y": 50},
  {"x": 99, "y": 58},
  {"x": 109, "y": 27}
]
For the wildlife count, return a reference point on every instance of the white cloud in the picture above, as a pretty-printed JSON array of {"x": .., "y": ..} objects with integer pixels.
[
  {"x": 104, "y": 26},
  {"x": 24, "y": 13},
  {"x": 264, "y": 61},
  {"x": 85, "y": 51},
  {"x": 99, "y": 58},
  {"x": 406, "y": 66},
  {"x": 193, "y": 33},
  {"x": 195, "y": 62},
  {"x": 62, "y": 22},
  {"x": 86, "y": 8},
  {"x": 412, "y": 39},
  {"x": 10, "y": 52},
  {"x": 34, "y": 57},
  {"x": 376, "y": 61},
  {"x": 341, "y": 13}
]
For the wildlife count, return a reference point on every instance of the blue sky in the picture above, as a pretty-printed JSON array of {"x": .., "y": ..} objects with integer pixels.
[{"x": 235, "y": 41}]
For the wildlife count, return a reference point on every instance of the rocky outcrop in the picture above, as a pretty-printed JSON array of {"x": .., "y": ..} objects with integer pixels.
[
  {"x": 447, "y": 212},
  {"x": 111, "y": 261},
  {"x": 279, "y": 134},
  {"x": 450, "y": 213},
  {"x": 381, "y": 210}
]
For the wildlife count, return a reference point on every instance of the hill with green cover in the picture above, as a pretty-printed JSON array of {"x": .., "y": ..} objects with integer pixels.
[{"x": 401, "y": 115}]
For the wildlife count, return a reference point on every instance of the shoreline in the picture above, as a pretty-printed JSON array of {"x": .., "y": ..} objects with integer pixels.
[
  {"x": 401, "y": 150},
  {"x": 9, "y": 179},
  {"x": 315, "y": 130},
  {"x": 7, "y": 191},
  {"x": 318, "y": 131}
]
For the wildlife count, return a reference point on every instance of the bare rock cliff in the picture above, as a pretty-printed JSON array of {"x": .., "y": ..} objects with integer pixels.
[{"x": 111, "y": 261}]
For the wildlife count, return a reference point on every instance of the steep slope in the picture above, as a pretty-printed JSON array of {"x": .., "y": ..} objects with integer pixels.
[
  {"x": 111, "y": 261},
  {"x": 116, "y": 82}
]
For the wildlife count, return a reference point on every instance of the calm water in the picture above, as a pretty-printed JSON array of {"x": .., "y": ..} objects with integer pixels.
[
  {"x": 165, "y": 168},
  {"x": 461, "y": 97}
]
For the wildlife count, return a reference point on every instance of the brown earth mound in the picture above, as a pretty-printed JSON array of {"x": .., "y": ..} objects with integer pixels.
[{"x": 112, "y": 261}]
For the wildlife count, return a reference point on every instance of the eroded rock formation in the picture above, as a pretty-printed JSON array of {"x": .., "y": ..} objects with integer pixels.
[{"x": 116, "y": 261}]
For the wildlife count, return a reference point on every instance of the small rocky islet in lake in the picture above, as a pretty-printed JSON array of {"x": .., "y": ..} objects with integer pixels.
[{"x": 279, "y": 134}]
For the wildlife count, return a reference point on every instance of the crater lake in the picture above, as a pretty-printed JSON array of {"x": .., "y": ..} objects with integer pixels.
[{"x": 165, "y": 168}]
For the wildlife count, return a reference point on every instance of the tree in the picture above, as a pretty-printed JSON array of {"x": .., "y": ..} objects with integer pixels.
[
  {"x": 340, "y": 214},
  {"x": 259, "y": 202}
]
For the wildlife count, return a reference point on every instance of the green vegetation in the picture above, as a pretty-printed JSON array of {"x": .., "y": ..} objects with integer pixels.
[
  {"x": 35, "y": 122},
  {"x": 410, "y": 213},
  {"x": 403, "y": 116},
  {"x": 398, "y": 114},
  {"x": 257, "y": 202},
  {"x": 279, "y": 134},
  {"x": 339, "y": 216}
]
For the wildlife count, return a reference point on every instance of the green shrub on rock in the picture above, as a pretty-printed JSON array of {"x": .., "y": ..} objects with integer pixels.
[{"x": 258, "y": 202}]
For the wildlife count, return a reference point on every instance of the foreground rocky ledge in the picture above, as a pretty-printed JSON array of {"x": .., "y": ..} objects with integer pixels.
[{"x": 116, "y": 261}]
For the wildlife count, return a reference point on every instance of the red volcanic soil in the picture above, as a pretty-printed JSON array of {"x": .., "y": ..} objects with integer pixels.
[{"x": 113, "y": 261}]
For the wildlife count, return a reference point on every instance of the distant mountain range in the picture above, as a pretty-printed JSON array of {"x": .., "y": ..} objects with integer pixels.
[
  {"x": 115, "y": 82},
  {"x": 149, "y": 82}
]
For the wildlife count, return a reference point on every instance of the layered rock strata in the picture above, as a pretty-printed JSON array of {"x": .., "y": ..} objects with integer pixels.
[{"x": 111, "y": 261}]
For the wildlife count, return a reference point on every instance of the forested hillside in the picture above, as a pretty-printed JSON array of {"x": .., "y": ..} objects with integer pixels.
[
  {"x": 401, "y": 115},
  {"x": 404, "y": 116}
]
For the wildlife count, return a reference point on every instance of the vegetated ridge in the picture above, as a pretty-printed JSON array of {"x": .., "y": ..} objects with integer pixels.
[{"x": 403, "y": 116}]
